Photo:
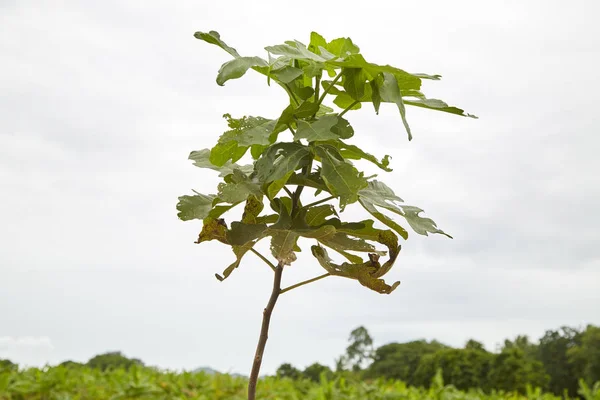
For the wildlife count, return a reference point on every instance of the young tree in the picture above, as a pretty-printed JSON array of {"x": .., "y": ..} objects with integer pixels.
[{"x": 316, "y": 154}]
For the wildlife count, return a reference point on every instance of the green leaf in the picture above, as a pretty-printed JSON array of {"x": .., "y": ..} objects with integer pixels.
[
  {"x": 341, "y": 177},
  {"x": 375, "y": 95},
  {"x": 327, "y": 127},
  {"x": 244, "y": 132},
  {"x": 238, "y": 190},
  {"x": 241, "y": 233},
  {"x": 201, "y": 159},
  {"x": 344, "y": 101},
  {"x": 316, "y": 215},
  {"x": 323, "y": 110},
  {"x": 194, "y": 207},
  {"x": 316, "y": 41},
  {"x": 237, "y": 67},
  {"x": 342, "y": 47},
  {"x": 313, "y": 180},
  {"x": 286, "y": 74},
  {"x": 277, "y": 185},
  {"x": 306, "y": 110},
  {"x": 217, "y": 211},
  {"x": 419, "y": 224},
  {"x": 247, "y": 131},
  {"x": 279, "y": 160},
  {"x": 390, "y": 92},
  {"x": 294, "y": 50},
  {"x": 354, "y": 81},
  {"x": 224, "y": 152},
  {"x": 362, "y": 272},
  {"x": 331, "y": 89},
  {"x": 349, "y": 151},
  {"x": 213, "y": 37},
  {"x": 405, "y": 80},
  {"x": 282, "y": 246},
  {"x": 379, "y": 194},
  {"x": 438, "y": 105}
]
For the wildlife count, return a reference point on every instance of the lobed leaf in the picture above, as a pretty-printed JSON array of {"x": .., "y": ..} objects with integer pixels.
[
  {"x": 201, "y": 159},
  {"x": 194, "y": 207},
  {"x": 341, "y": 177},
  {"x": 237, "y": 68}
]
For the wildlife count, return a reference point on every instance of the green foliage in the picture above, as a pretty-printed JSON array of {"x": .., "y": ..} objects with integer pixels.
[
  {"x": 401, "y": 360},
  {"x": 61, "y": 383},
  {"x": 316, "y": 371},
  {"x": 585, "y": 356},
  {"x": 7, "y": 365},
  {"x": 512, "y": 369},
  {"x": 112, "y": 360},
  {"x": 287, "y": 370},
  {"x": 553, "y": 353},
  {"x": 316, "y": 155},
  {"x": 463, "y": 368}
]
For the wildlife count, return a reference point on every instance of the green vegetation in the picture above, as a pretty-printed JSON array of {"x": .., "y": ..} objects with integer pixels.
[
  {"x": 137, "y": 382},
  {"x": 316, "y": 154},
  {"x": 414, "y": 370}
]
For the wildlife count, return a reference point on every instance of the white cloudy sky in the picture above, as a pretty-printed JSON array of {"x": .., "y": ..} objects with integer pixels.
[{"x": 101, "y": 102}]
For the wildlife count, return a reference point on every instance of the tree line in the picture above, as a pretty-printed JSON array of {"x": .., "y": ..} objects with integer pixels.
[{"x": 554, "y": 363}]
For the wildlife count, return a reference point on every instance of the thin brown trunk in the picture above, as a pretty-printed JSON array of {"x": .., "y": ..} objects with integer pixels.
[{"x": 264, "y": 332}]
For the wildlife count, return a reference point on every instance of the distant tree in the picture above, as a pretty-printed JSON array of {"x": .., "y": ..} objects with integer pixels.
[
  {"x": 475, "y": 345},
  {"x": 401, "y": 360},
  {"x": 314, "y": 371},
  {"x": 552, "y": 352},
  {"x": 71, "y": 364},
  {"x": 360, "y": 349},
  {"x": 513, "y": 369},
  {"x": 112, "y": 360},
  {"x": 7, "y": 365},
  {"x": 288, "y": 371},
  {"x": 585, "y": 356},
  {"x": 463, "y": 368},
  {"x": 522, "y": 342}
]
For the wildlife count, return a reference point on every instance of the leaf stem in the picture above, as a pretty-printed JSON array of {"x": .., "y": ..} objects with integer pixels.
[
  {"x": 287, "y": 289},
  {"x": 317, "y": 85},
  {"x": 290, "y": 93},
  {"x": 348, "y": 108},
  {"x": 289, "y": 192},
  {"x": 264, "y": 332},
  {"x": 269, "y": 263},
  {"x": 326, "y": 90},
  {"x": 291, "y": 129},
  {"x": 296, "y": 199},
  {"x": 314, "y": 203}
]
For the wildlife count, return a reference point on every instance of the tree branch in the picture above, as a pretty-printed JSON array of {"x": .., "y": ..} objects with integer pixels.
[{"x": 264, "y": 332}]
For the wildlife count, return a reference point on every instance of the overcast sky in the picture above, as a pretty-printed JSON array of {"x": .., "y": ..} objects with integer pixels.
[{"x": 101, "y": 103}]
